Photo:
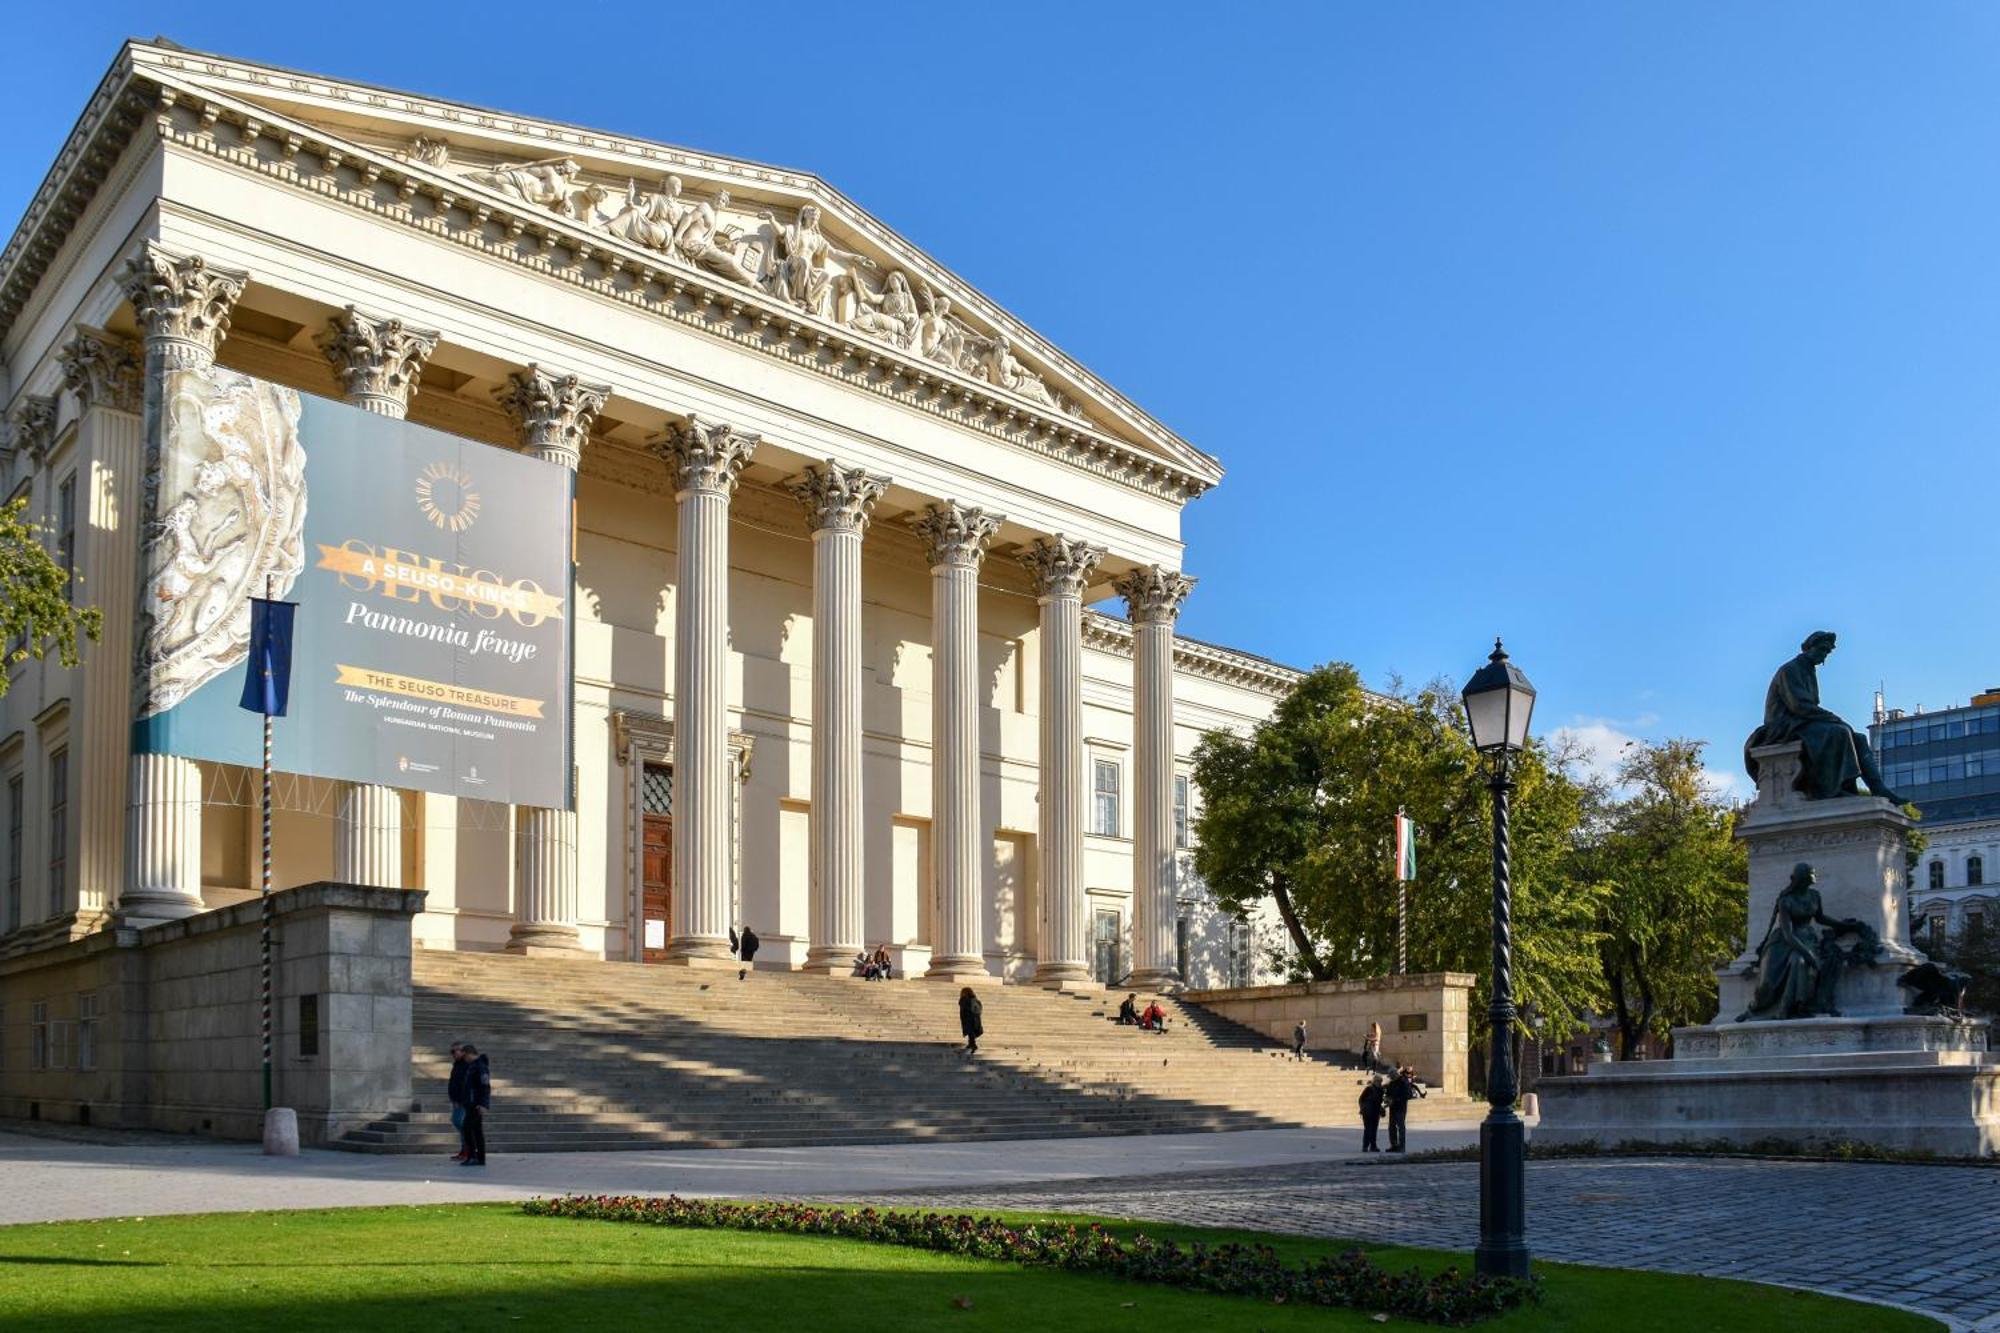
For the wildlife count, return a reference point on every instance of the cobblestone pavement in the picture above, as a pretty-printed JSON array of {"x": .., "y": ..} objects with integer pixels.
[{"x": 1923, "y": 1237}]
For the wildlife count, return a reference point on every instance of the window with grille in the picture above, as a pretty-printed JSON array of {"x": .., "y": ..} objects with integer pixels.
[
  {"x": 1239, "y": 953},
  {"x": 1937, "y": 874},
  {"x": 58, "y": 831},
  {"x": 66, "y": 533},
  {"x": 38, "y": 1035},
  {"x": 656, "y": 789},
  {"x": 1104, "y": 798},
  {"x": 1975, "y": 870},
  {"x": 16, "y": 812},
  {"x": 1180, "y": 810},
  {"x": 86, "y": 1030},
  {"x": 1937, "y": 929}
]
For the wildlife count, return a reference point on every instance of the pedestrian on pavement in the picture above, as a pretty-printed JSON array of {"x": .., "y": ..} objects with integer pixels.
[
  {"x": 746, "y": 952},
  {"x": 1371, "y": 1048},
  {"x": 1371, "y": 1114},
  {"x": 968, "y": 1020},
  {"x": 1299, "y": 1040},
  {"x": 478, "y": 1100},
  {"x": 454, "y": 1091},
  {"x": 1401, "y": 1088}
]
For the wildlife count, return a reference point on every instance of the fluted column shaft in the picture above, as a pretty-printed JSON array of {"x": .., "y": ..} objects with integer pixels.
[
  {"x": 956, "y": 537},
  {"x": 1060, "y": 569},
  {"x": 1153, "y": 598},
  {"x": 705, "y": 459},
  {"x": 553, "y": 413},
  {"x": 837, "y": 502},
  {"x": 378, "y": 363},
  {"x": 183, "y": 308}
]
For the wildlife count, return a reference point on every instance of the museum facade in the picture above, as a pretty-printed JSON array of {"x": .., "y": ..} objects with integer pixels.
[{"x": 839, "y": 523}]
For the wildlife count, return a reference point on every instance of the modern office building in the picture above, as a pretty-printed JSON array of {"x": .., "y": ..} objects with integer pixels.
[{"x": 1948, "y": 763}]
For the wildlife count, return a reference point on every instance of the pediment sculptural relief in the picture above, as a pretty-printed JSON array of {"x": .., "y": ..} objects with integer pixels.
[{"x": 793, "y": 260}]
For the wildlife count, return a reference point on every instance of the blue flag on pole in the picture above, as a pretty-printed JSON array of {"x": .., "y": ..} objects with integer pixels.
[{"x": 269, "y": 679}]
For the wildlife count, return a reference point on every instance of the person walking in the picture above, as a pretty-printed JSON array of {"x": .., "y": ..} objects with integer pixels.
[
  {"x": 478, "y": 1100},
  {"x": 746, "y": 951},
  {"x": 1299, "y": 1040},
  {"x": 1371, "y": 1114},
  {"x": 1371, "y": 1048},
  {"x": 968, "y": 1020},
  {"x": 1401, "y": 1089},
  {"x": 454, "y": 1091}
]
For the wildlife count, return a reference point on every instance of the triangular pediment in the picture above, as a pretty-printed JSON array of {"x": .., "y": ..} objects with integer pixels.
[{"x": 786, "y": 241}]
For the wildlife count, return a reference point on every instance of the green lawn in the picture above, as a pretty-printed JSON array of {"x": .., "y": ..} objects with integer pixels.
[{"x": 488, "y": 1267}]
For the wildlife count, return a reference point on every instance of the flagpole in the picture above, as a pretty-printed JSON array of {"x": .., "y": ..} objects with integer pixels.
[{"x": 270, "y": 594}]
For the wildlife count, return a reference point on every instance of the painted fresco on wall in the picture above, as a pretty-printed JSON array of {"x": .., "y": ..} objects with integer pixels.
[{"x": 432, "y": 645}]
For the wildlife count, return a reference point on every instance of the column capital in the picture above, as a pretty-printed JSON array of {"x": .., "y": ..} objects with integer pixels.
[
  {"x": 1060, "y": 566},
  {"x": 377, "y": 361},
  {"x": 704, "y": 455},
  {"x": 183, "y": 304},
  {"x": 32, "y": 427},
  {"x": 836, "y": 498},
  {"x": 552, "y": 412},
  {"x": 103, "y": 370},
  {"x": 1153, "y": 594},
  {"x": 956, "y": 534}
]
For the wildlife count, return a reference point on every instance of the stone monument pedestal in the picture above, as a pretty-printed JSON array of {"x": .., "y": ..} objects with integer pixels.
[{"x": 1869, "y": 1074}]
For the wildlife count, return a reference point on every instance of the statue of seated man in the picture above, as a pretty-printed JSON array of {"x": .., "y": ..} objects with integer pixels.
[{"x": 1834, "y": 754}]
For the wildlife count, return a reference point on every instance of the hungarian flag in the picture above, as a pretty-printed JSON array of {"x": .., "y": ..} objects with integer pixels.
[
  {"x": 1406, "y": 848},
  {"x": 268, "y": 682}
]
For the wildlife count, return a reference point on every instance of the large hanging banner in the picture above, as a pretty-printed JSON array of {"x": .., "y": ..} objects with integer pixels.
[{"x": 432, "y": 644}]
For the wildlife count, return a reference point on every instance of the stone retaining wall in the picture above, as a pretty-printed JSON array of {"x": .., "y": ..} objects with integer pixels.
[
  {"x": 173, "y": 1041},
  {"x": 1423, "y": 1017}
]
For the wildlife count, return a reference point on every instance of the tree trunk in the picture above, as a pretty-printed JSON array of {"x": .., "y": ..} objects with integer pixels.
[
  {"x": 1621, "y": 1010},
  {"x": 1314, "y": 968}
]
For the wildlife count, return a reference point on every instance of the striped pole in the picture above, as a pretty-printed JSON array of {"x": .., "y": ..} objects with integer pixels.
[{"x": 264, "y": 935}]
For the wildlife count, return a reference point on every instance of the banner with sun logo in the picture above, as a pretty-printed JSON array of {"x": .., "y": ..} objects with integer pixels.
[{"x": 432, "y": 643}]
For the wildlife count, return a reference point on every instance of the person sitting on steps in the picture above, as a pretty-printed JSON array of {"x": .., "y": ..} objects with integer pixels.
[
  {"x": 1154, "y": 1019},
  {"x": 1128, "y": 1011}
]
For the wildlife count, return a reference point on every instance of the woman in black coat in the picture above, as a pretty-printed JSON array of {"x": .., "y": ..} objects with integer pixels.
[{"x": 968, "y": 1020}]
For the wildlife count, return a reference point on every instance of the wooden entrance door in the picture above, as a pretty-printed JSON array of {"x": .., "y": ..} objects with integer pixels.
[{"x": 656, "y": 872}]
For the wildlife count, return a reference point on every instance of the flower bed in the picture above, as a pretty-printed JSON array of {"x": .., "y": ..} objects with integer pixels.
[{"x": 1349, "y": 1279}]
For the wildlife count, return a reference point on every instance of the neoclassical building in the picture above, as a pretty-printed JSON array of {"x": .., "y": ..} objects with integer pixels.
[{"x": 842, "y": 526}]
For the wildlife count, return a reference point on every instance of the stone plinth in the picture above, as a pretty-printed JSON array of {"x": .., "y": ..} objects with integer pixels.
[
  {"x": 1855, "y": 845},
  {"x": 1423, "y": 1016}
]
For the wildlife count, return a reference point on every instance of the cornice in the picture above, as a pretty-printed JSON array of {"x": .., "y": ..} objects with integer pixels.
[
  {"x": 428, "y": 200},
  {"x": 1110, "y": 634}
]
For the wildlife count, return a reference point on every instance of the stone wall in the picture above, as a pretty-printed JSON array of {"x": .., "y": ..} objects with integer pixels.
[
  {"x": 1423, "y": 1017},
  {"x": 173, "y": 1040}
]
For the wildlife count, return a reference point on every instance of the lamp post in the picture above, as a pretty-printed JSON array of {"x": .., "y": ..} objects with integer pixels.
[{"x": 1498, "y": 702}]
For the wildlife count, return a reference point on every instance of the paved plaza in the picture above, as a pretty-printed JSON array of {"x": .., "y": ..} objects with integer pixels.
[{"x": 1923, "y": 1237}]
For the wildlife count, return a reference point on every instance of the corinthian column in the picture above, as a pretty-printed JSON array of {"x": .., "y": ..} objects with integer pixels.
[
  {"x": 183, "y": 308},
  {"x": 704, "y": 458},
  {"x": 553, "y": 413},
  {"x": 108, "y": 377},
  {"x": 378, "y": 362},
  {"x": 1153, "y": 599},
  {"x": 1061, "y": 567},
  {"x": 956, "y": 538},
  {"x": 837, "y": 501}
]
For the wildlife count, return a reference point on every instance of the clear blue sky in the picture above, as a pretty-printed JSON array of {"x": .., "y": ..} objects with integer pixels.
[{"x": 1649, "y": 336}]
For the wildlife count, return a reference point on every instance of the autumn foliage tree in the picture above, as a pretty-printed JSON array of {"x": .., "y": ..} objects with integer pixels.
[{"x": 36, "y": 614}]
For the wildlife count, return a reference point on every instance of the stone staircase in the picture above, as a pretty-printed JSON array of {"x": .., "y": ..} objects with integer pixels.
[{"x": 593, "y": 1055}]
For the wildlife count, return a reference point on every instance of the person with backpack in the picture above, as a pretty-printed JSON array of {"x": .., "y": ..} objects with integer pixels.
[{"x": 478, "y": 1100}]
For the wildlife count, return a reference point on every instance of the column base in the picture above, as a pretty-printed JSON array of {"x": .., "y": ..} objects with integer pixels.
[
  {"x": 700, "y": 951},
  {"x": 543, "y": 939},
  {"x": 830, "y": 960},
  {"x": 965, "y": 971},
  {"x": 136, "y": 911},
  {"x": 1160, "y": 980},
  {"x": 1069, "y": 978}
]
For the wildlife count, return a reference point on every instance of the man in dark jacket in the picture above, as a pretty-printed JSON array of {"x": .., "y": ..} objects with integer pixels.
[
  {"x": 969, "y": 1021},
  {"x": 746, "y": 951},
  {"x": 1401, "y": 1088},
  {"x": 1371, "y": 1114},
  {"x": 454, "y": 1091},
  {"x": 478, "y": 1100}
]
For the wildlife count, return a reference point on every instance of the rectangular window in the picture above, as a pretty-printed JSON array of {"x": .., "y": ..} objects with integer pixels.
[
  {"x": 86, "y": 1030},
  {"x": 58, "y": 831},
  {"x": 1180, "y": 810},
  {"x": 38, "y": 1035},
  {"x": 1104, "y": 798},
  {"x": 16, "y": 801},
  {"x": 66, "y": 533},
  {"x": 1937, "y": 929},
  {"x": 1239, "y": 953},
  {"x": 1975, "y": 925}
]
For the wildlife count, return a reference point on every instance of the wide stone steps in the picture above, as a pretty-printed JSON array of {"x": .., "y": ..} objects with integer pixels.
[{"x": 598, "y": 1056}]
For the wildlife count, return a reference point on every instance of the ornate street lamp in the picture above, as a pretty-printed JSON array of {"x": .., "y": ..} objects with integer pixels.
[{"x": 1498, "y": 702}]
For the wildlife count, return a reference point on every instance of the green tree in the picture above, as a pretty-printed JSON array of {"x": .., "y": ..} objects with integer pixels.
[
  {"x": 1672, "y": 877},
  {"x": 35, "y": 610},
  {"x": 1302, "y": 811}
]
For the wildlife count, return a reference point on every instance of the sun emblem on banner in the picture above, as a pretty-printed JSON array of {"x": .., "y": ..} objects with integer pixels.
[{"x": 446, "y": 497}]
